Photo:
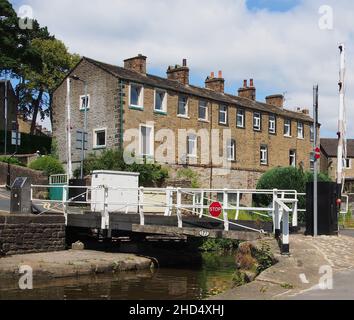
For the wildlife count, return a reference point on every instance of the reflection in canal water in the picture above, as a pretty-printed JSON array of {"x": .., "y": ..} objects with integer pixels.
[{"x": 212, "y": 277}]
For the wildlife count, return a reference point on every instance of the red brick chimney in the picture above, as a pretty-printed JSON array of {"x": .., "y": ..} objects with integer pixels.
[
  {"x": 215, "y": 84},
  {"x": 179, "y": 73},
  {"x": 276, "y": 100},
  {"x": 137, "y": 64},
  {"x": 248, "y": 92}
]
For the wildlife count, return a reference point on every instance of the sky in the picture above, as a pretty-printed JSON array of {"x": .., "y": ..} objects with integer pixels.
[{"x": 286, "y": 46}]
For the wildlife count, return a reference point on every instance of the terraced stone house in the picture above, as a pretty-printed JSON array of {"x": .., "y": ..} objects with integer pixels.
[{"x": 263, "y": 134}]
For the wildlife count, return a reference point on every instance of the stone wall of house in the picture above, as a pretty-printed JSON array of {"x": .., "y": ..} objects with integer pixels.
[
  {"x": 103, "y": 112},
  {"x": 36, "y": 177},
  {"x": 21, "y": 234}
]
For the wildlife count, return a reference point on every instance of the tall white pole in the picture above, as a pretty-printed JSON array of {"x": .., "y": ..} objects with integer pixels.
[
  {"x": 341, "y": 125},
  {"x": 315, "y": 173},
  {"x": 68, "y": 130}
]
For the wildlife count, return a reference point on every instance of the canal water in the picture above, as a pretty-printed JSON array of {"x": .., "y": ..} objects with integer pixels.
[{"x": 213, "y": 276}]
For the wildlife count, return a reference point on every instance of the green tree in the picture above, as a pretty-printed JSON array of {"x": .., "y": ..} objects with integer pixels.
[
  {"x": 37, "y": 91},
  {"x": 150, "y": 174}
]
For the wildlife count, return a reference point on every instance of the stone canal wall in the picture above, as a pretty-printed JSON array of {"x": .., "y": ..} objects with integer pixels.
[{"x": 20, "y": 234}]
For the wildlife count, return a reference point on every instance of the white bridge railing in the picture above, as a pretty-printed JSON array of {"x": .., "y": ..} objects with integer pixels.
[{"x": 177, "y": 202}]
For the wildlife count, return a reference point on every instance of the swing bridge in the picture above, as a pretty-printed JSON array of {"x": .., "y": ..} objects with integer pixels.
[{"x": 173, "y": 212}]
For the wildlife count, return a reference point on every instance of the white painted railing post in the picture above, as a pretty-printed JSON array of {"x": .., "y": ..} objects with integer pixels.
[
  {"x": 295, "y": 212},
  {"x": 65, "y": 206},
  {"x": 194, "y": 203},
  {"x": 105, "y": 213},
  {"x": 276, "y": 214},
  {"x": 225, "y": 210},
  {"x": 285, "y": 248},
  {"x": 238, "y": 206},
  {"x": 179, "y": 208},
  {"x": 141, "y": 206},
  {"x": 201, "y": 210},
  {"x": 169, "y": 198}
]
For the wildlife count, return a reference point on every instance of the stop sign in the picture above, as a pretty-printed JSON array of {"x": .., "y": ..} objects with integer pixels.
[{"x": 215, "y": 209}]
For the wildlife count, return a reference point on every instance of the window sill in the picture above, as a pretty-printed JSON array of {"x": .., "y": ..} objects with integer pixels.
[
  {"x": 239, "y": 127},
  {"x": 257, "y": 130},
  {"x": 163, "y": 113},
  {"x": 83, "y": 110},
  {"x": 223, "y": 124},
  {"x": 183, "y": 117},
  {"x": 300, "y": 138},
  {"x": 287, "y": 136},
  {"x": 99, "y": 147},
  {"x": 204, "y": 120},
  {"x": 136, "y": 108}
]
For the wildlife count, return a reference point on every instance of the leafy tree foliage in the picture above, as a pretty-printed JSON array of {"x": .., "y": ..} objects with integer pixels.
[
  {"x": 150, "y": 174},
  {"x": 48, "y": 165}
]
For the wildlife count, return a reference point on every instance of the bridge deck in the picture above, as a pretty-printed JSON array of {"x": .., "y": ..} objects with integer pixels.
[{"x": 161, "y": 225}]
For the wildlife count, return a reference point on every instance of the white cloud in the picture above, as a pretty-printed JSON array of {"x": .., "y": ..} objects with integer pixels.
[{"x": 283, "y": 52}]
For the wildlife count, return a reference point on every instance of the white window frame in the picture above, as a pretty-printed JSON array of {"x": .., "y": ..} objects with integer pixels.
[
  {"x": 300, "y": 130},
  {"x": 152, "y": 141},
  {"x": 272, "y": 124},
  {"x": 264, "y": 155},
  {"x": 206, "y": 107},
  {"x": 242, "y": 115},
  {"x": 257, "y": 121},
  {"x": 292, "y": 158},
  {"x": 287, "y": 124},
  {"x": 141, "y": 96},
  {"x": 186, "y": 106},
  {"x": 192, "y": 138},
  {"x": 95, "y": 131},
  {"x": 164, "y": 102},
  {"x": 224, "y": 112},
  {"x": 231, "y": 145},
  {"x": 82, "y": 108}
]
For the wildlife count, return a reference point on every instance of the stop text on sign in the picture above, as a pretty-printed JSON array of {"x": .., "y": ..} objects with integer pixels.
[{"x": 215, "y": 209}]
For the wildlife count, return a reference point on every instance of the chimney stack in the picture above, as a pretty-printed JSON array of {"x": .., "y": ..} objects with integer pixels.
[
  {"x": 215, "y": 84},
  {"x": 179, "y": 73},
  {"x": 247, "y": 92},
  {"x": 137, "y": 64},
  {"x": 276, "y": 100}
]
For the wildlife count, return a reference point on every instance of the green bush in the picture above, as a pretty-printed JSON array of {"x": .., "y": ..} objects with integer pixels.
[
  {"x": 48, "y": 165},
  {"x": 285, "y": 178},
  {"x": 13, "y": 161},
  {"x": 151, "y": 174}
]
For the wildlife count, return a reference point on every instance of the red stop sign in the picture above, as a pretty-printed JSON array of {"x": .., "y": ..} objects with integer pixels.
[{"x": 215, "y": 209}]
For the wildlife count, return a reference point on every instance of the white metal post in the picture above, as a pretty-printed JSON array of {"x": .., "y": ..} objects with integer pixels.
[
  {"x": 141, "y": 206},
  {"x": 201, "y": 210},
  {"x": 225, "y": 210},
  {"x": 315, "y": 177},
  {"x": 341, "y": 123},
  {"x": 68, "y": 130},
  {"x": 285, "y": 233},
  {"x": 238, "y": 206},
  {"x": 105, "y": 213},
  {"x": 295, "y": 211},
  {"x": 276, "y": 214},
  {"x": 179, "y": 206}
]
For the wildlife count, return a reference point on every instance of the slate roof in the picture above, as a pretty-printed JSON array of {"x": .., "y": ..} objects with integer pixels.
[
  {"x": 329, "y": 147},
  {"x": 176, "y": 86}
]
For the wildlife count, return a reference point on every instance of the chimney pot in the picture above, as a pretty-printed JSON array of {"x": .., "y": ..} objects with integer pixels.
[
  {"x": 245, "y": 83},
  {"x": 251, "y": 83},
  {"x": 247, "y": 92},
  {"x": 212, "y": 75},
  {"x": 184, "y": 62},
  {"x": 220, "y": 74}
]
